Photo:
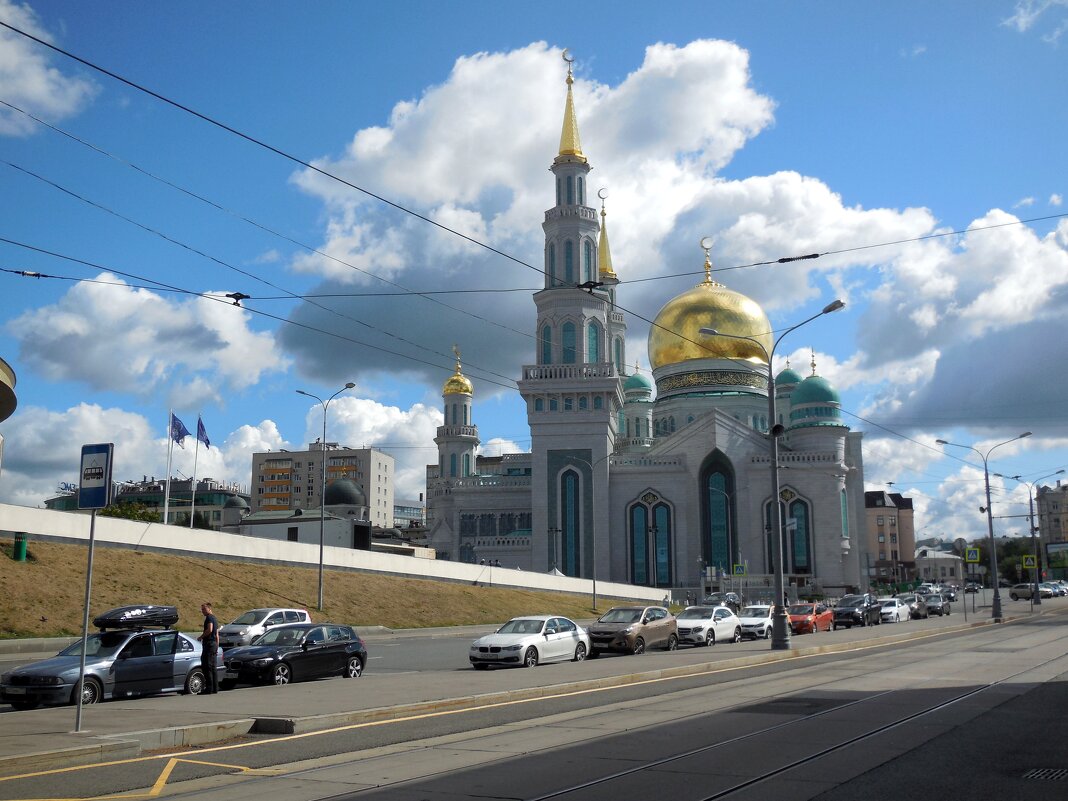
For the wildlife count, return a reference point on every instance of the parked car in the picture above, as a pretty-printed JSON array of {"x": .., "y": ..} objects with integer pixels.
[
  {"x": 949, "y": 592},
  {"x": 894, "y": 610},
  {"x": 917, "y": 605},
  {"x": 730, "y": 599},
  {"x": 972, "y": 586},
  {"x": 1025, "y": 591},
  {"x": 1055, "y": 588},
  {"x": 937, "y": 604},
  {"x": 296, "y": 652},
  {"x": 809, "y": 618},
  {"x": 856, "y": 610},
  {"x": 126, "y": 658},
  {"x": 756, "y": 621},
  {"x": 529, "y": 641},
  {"x": 247, "y": 627},
  {"x": 632, "y": 629},
  {"x": 707, "y": 625}
]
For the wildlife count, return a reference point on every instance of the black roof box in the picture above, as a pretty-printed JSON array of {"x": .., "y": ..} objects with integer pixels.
[{"x": 137, "y": 617}]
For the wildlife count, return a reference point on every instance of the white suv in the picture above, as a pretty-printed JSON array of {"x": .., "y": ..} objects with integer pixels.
[{"x": 255, "y": 622}]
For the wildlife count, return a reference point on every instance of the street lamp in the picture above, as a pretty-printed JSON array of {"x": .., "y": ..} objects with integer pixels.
[
  {"x": 995, "y": 608},
  {"x": 593, "y": 520},
  {"x": 322, "y": 489},
  {"x": 780, "y": 628},
  {"x": 1035, "y": 594}
]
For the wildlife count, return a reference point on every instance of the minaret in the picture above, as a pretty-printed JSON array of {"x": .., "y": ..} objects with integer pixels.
[
  {"x": 573, "y": 391},
  {"x": 458, "y": 438},
  {"x": 616, "y": 337}
]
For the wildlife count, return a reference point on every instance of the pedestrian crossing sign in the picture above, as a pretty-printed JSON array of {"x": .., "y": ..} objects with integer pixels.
[
  {"x": 739, "y": 570},
  {"x": 1029, "y": 562},
  {"x": 971, "y": 556}
]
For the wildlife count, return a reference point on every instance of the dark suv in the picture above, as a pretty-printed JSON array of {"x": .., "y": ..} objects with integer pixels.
[{"x": 856, "y": 610}]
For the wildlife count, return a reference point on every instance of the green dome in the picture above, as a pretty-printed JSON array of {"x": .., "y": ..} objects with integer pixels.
[
  {"x": 344, "y": 492},
  {"x": 637, "y": 381},
  {"x": 787, "y": 376},
  {"x": 814, "y": 389}
]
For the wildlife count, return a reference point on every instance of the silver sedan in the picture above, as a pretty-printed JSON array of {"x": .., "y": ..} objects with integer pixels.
[{"x": 530, "y": 640}]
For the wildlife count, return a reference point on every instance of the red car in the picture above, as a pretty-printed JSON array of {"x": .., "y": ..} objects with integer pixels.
[{"x": 808, "y": 618}]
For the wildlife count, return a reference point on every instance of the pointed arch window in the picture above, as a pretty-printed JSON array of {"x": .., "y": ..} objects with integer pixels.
[
  {"x": 639, "y": 545},
  {"x": 551, "y": 266},
  {"x": 718, "y": 528},
  {"x": 593, "y": 343},
  {"x": 558, "y": 193},
  {"x": 619, "y": 355},
  {"x": 662, "y": 544},
  {"x": 649, "y": 538},
  {"x": 569, "y": 262},
  {"x": 570, "y": 191},
  {"x": 587, "y": 260},
  {"x": 539, "y": 405},
  {"x": 796, "y": 537},
  {"x": 467, "y": 464},
  {"x": 569, "y": 404},
  {"x": 845, "y": 515},
  {"x": 570, "y": 525},
  {"x": 546, "y": 345},
  {"x": 567, "y": 336},
  {"x": 454, "y": 414},
  {"x": 583, "y": 402},
  {"x": 452, "y": 465},
  {"x": 581, "y": 191},
  {"x": 597, "y": 402}
]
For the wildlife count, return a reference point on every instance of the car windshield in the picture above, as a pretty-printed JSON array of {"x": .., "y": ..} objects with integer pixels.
[
  {"x": 695, "y": 613},
  {"x": 251, "y": 618},
  {"x": 756, "y": 611},
  {"x": 521, "y": 626},
  {"x": 801, "y": 609},
  {"x": 101, "y": 644},
  {"x": 856, "y": 600},
  {"x": 281, "y": 636},
  {"x": 622, "y": 616},
  {"x": 889, "y": 604}
]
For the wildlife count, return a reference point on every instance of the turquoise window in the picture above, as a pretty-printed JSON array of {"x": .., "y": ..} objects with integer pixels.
[
  {"x": 467, "y": 464},
  {"x": 802, "y": 554},
  {"x": 582, "y": 191},
  {"x": 845, "y": 515},
  {"x": 719, "y": 521},
  {"x": 567, "y": 335},
  {"x": 593, "y": 341},
  {"x": 546, "y": 345},
  {"x": 662, "y": 544},
  {"x": 452, "y": 465},
  {"x": 619, "y": 355},
  {"x": 569, "y": 262},
  {"x": 583, "y": 403},
  {"x": 569, "y": 534},
  {"x": 587, "y": 260},
  {"x": 639, "y": 546},
  {"x": 597, "y": 402},
  {"x": 551, "y": 266},
  {"x": 539, "y": 405},
  {"x": 570, "y": 191}
]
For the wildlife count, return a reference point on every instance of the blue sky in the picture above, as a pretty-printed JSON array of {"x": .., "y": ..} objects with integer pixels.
[{"x": 779, "y": 129}]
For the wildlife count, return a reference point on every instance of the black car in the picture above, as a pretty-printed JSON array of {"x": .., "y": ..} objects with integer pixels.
[
  {"x": 917, "y": 605},
  {"x": 972, "y": 586},
  {"x": 857, "y": 610},
  {"x": 730, "y": 599},
  {"x": 937, "y": 604},
  {"x": 295, "y": 652}
]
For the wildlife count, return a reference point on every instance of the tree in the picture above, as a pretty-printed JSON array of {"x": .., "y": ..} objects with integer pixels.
[{"x": 131, "y": 511}]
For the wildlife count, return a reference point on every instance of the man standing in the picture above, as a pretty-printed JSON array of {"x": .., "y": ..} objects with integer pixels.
[{"x": 210, "y": 641}]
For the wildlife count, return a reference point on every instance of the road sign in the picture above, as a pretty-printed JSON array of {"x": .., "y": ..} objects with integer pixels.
[
  {"x": 1029, "y": 562},
  {"x": 739, "y": 570},
  {"x": 971, "y": 556},
  {"x": 94, "y": 489}
]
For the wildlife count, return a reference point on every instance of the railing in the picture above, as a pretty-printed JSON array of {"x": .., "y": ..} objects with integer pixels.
[
  {"x": 569, "y": 372},
  {"x": 629, "y": 442},
  {"x": 647, "y": 461},
  {"x": 458, "y": 431},
  {"x": 584, "y": 212},
  {"x": 492, "y": 481},
  {"x": 616, "y": 317}
]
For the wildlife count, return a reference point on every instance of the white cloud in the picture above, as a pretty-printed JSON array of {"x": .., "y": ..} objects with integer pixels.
[
  {"x": 915, "y": 51},
  {"x": 1056, "y": 199},
  {"x": 1027, "y": 13},
  {"x": 28, "y": 77},
  {"x": 1023, "y": 203},
  {"x": 134, "y": 340}
]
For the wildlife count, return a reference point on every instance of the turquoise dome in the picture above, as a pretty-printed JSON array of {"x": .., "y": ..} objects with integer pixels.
[
  {"x": 787, "y": 376},
  {"x": 637, "y": 381},
  {"x": 814, "y": 389}
]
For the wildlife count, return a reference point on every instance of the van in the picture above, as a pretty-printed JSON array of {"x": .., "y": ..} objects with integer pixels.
[{"x": 255, "y": 622}]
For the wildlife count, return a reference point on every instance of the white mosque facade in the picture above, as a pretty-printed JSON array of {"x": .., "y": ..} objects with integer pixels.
[{"x": 663, "y": 483}]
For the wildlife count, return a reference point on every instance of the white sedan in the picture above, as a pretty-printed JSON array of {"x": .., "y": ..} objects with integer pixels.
[
  {"x": 527, "y": 641},
  {"x": 894, "y": 610},
  {"x": 707, "y": 625}
]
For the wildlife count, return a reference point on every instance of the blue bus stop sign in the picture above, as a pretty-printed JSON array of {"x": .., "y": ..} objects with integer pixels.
[{"x": 94, "y": 487}]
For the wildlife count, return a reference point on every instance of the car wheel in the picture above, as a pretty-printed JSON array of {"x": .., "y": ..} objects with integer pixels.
[
  {"x": 354, "y": 668},
  {"x": 227, "y": 684},
  {"x": 737, "y": 634},
  {"x": 710, "y": 638},
  {"x": 194, "y": 682},
  {"x": 24, "y": 705},
  {"x": 92, "y": 692},
  {"x": 834, "y": 626},
  {"x": 672, "y": 643},
  {"x": 580, "y": 653},
  {"x": 281, "y": 675},
  {"x": 1014, "y": 596},
  {"x": 767, "y": 632},
  {"x": 639, "y": 646},
  {"x": 530, "y": 658},
  {"x": 480, "y": 666}
]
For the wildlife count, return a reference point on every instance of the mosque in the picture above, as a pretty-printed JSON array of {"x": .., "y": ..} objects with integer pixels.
[{"x": 663, "y": 483}]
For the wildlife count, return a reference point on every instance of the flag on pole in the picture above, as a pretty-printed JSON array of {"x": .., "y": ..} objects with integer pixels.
[
  {"x": 178, "y": 430},
  {"x": 202, "y": 433}
]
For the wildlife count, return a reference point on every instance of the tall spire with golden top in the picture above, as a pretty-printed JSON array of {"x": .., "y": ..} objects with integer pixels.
[
  {"x": 457, "y": 383},
  {"x": 570, "y": 144},
  {"x": 604, "y": 255},
  {"x": 706, "y": 246}
]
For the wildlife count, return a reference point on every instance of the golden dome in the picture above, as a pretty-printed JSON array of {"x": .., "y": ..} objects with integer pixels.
[
  {"x": 676, "y": 334},
  {"x": 457, "y": 383}
]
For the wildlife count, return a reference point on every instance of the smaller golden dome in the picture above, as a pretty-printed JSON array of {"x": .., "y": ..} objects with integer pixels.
[
  {"x": 457, "y": 383},
  {"x": 676, "y": 334}
]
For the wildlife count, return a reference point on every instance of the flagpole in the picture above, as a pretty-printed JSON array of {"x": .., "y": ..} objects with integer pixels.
[
  {"x": 193, "y": 495},
  {"x": 170, "y": 449}
]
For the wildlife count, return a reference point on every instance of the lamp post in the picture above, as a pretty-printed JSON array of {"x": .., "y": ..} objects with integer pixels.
[
  {"x": 995, "y": 607},
  {"x": 780, "y": 628},
  {"x": 1036, "y": 596},
  {"x": 322, "y": 488},
  {"x": 593, "y": 520}
]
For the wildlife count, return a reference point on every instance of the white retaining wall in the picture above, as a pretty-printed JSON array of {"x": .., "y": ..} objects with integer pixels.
[{"x": 74, "y": 527}]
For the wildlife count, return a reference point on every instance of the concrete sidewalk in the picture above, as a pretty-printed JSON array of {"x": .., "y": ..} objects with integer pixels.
[{"x": 44, "y": 739}]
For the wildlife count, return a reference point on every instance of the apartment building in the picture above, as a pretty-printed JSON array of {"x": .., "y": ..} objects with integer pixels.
[
  {"x": 890, "y": 537},
  {"x": 284, "y": 480}
]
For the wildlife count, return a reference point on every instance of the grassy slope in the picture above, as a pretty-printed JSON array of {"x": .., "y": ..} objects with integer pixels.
[{"x": 43, "y": 596}]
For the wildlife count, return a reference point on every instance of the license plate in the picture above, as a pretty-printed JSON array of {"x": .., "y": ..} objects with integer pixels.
[
  {"x": 230, "y": 674},
  {"x": 15, "y": 691}
]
